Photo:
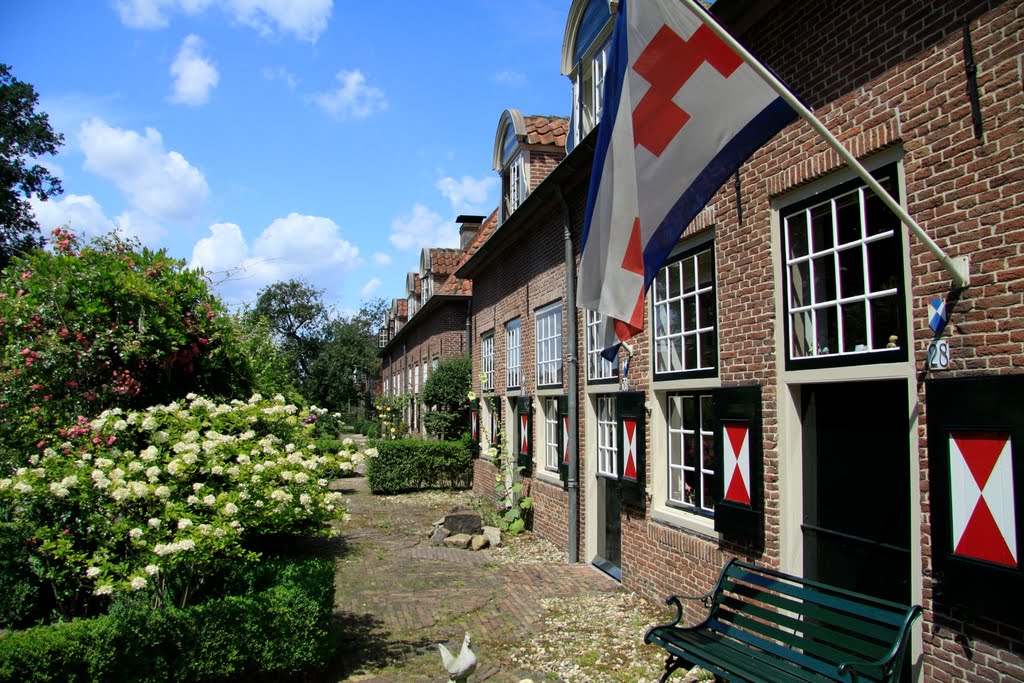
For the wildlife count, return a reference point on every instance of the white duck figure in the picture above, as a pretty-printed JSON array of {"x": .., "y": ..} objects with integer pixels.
[{"x": 458, "y": 668}]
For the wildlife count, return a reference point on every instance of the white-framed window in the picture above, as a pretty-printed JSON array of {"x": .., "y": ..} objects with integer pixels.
[
  {"x": 434, "y": 363},
  {"x": 607, "y": 442},
  {"x": 694, "y": 482},
  {"x": 487, "y": 361},
  {"x": 551, "y": 426},
  {"x": 514, "y": 182},
  {"x": 844, "y": 277},
  {"x": 685, "y": 319},
  {"x": 416, "y": 379},
  {"x": 549, "y": 344},
  {"x": 590, "y": 59},
  {"x": 598, "y": 367},
  {"x": 425, "y": 367},
  {"x": 513, "y": 353}
]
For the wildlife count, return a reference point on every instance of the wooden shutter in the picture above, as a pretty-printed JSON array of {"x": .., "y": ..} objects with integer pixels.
[
  {"x": 739, "y": 508},
  {"x": 494, "y": 438},
  {"x": 976, "y": 473},
  {"x": 564, "y": 438},
  {"x": 631, "y": 415},
  {"x": 524, "y": 434}
]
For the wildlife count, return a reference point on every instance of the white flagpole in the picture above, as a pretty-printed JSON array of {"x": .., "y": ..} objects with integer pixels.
[{"x": 958, "y": 267}]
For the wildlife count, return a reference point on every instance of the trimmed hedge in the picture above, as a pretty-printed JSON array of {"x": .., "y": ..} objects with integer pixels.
[
  {"x": 278, "y": 624},
  {"x": 409, "y": 464}
]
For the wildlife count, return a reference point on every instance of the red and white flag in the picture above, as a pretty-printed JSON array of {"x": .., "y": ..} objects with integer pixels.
[{"x": 682, "y": 111}]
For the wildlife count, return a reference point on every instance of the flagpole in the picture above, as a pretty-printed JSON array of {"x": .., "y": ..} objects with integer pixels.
[{"x": 957, "y": 267}]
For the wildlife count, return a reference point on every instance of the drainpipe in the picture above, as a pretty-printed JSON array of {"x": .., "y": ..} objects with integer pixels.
[
  {"x": 573, "y": 380},
  {"x": 469, "y": 329}
]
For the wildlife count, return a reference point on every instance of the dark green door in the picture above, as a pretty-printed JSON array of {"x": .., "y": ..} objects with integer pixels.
[
  {"x": 609, "y": 489},
  {"x": 856, "y": 468}
]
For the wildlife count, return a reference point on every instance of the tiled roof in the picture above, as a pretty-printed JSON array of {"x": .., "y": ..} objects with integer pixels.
[
  {"x": 546, "y": 130},
  {"x": 403, "y": 308},
  {"x": 485, "y": 231},
  {"x": 457, "y": 286},
  {"x": 416, "y": 285},
  {"x": 444, "y": 261}
]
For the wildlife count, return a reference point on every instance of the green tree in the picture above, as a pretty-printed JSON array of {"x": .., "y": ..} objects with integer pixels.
[
  {"x": 25, "y": 135},
  {"x": 296, "y": 313},
  {"x": 446, "y": 393},
  {"x": 346, "y": 358}
]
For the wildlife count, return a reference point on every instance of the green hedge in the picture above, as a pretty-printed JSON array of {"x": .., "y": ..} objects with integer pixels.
[
  {"x": 409, "y": 464},
  {"x": 278, "y": 624}
]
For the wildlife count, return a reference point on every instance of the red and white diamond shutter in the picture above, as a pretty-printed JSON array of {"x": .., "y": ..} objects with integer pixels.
[
  {"x": 632, "y": 421},
  {"x": 982, "y": 496},
  {"x": 564, "y": 442},
  {"x": 736, "y": 461},
  {"x": 524, "y": 427},
  {"x": 474, "y": 416}
]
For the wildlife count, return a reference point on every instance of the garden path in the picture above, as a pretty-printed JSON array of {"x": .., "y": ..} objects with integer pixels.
[{"x": 397, "y": 596}]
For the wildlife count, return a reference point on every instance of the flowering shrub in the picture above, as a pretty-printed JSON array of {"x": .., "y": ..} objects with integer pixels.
[
  {"x": 389, "y": 415},
  {"x": 148, "y": 502},
  {"x": 87, "y": 328}
]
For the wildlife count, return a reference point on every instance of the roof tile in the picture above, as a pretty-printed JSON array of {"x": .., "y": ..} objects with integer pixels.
[{"x": 546, "y": 130}]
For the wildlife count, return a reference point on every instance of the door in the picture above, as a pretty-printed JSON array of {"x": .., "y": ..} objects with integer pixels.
[
  {"x": 856, "y": 469},
  {"x": 609, "y": 524}
]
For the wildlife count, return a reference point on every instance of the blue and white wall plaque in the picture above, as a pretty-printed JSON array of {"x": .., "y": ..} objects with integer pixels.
[{"x": 937, "y": 315}]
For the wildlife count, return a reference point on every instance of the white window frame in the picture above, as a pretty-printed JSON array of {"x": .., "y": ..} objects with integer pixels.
[
  {"x": 548, "y": 323},
  {"x": 679, "y": 439},
  {"x": 514, "y": 353},
  {"x": 416, "y": 379},
  {"x": 598, "y": 367},
  {"x": 826, "y": 261},
  {"x": 670, "y": 336},
  {"x": 607, "y": 437},
  {"x": 516, "y": 183},
  {"x": 551, "y": 427},
  {"x": 487, "y": 361}
]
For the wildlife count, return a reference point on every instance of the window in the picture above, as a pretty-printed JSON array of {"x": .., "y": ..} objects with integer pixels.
[
  {"x": 549, "y": 345},
  {"x": 416, "y": 379},
  {"x": 487, "y": 361},
  {"x": 434, "y": 363},
  {"x": 551, "y": 447},
  {"x": 844, "y": 277},
  {"x": 694, "y": 481},
  {"x": 513, "y": 174},
  {"x": 607, "y": 450},
  {"x": 685, "y": 339},
  {"x": 590, "y": 59},
  {"x": 513, "y": 354},
  {"x": 598, "y": 367}
]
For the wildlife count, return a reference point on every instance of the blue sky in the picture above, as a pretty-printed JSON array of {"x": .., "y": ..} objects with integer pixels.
[{"x": 273, "y": 139}]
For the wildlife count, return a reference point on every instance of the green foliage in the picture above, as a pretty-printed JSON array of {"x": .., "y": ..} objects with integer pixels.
[
  {"x": 409, "y": 464},
  {"x": 296, "y": 313},
  {"x": 256, "y": 359},
  {"x": 275, "y": 623},
  {"x": 389, "y": 416},
  {"x": 20, "y": 589},
  {"x": 25, "y": 136},
  {"x": 103, "y": 326},
  {"x": 447, "y": 393},
  {"x": 152, "y": 504}
]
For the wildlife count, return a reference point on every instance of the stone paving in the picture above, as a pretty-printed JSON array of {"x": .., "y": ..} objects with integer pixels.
[{"x": 397, "y": 596}]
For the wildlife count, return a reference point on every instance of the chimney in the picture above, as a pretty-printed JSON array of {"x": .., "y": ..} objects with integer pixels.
[{"x": 468, "y": 227}]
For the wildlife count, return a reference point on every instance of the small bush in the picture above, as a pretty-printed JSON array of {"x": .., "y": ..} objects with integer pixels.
[
  {"x": 278, "y": 625},
  {"x": 410, "y": 464}
]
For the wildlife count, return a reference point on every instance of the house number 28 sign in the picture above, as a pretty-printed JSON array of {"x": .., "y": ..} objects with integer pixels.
[{"x": 938, "y": 355}]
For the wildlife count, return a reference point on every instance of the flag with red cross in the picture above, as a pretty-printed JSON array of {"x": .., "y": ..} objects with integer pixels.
[{"x": 682, "y": 111}]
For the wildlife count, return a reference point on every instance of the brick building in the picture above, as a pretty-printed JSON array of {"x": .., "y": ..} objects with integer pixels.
[{"x": 781, "y": 406}]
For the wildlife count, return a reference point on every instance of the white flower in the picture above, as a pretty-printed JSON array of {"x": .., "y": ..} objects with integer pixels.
[
  {"x": 135, "y": 533},
  {"x": 184, "y": 523},
  {"x": 347, "y": 442},
  {"x": 301, "y": 478},
  {"x": 149, "y": 424},
  {"x": 92, "y": 572},
  {"x": 152, "y": 472},
  {"x": 58, "y": 490},
  {"x": 138, "y": 583},
  {"x": 154, "y": 522},
  {"x": 305, "y": 499},
  {"x": 135, "y": 466},
  {"x": 210, "y": 500},
  {"x": 216, "y": 470},
  {"x": 189, "y": 458},
  {"x": 192, "y": 500},
  {"x": 149, "y": 454},
  {"x": 174, "y": 467},
  {"x": 187, "y": 544},
  {"x": 230, "y": 509},
  {"x": 244, "y": 459},
  {"x": 120, "y": 425},
  {"x": 105, "y": 589},
  {"x": 160, "y": 437},
  {"x": 152, "y": 569}
]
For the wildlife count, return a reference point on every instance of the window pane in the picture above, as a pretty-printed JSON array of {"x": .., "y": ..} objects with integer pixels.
[
  {"x": 828, "y": 331},
  {"x": 676, "y": 348},
  {"x": 689, "y": 282},
  {"x": 675, "y": 412},
  {"x": 800, "y": 274},
  {"x": 692, "y": 482},
  {"x": 707, "y": 349},
  {"x": 661, "y": 355},
  {"x": 676, "y": 317},
  {"x": 673, "y": 281},
  {"x": 690, "y": 421},
  {"x": 704, "y": 268},
  {"x": 707, "y": 414},
  {"x": 690, "y": 348},
  {"x": 821, "y": 227},
  {"x": 661, "y": 285},
  {"x": 824, "y": 279},
  {"x": 885, "y": 323},
  {"x": 689, "y": 314},
  {"x": 706, "y": 305},
  {"x": 855, "y": 333},
  {"x": 879, "y": 218},
  {"x": 851, "y": 272},
  {"x": 796, "y": 226},
  {"x": 676, "y": 485},
  {"x": 848, "y": 217},
  {"x": 661, "y": 320},
  {"x": 883, "y": 265}
]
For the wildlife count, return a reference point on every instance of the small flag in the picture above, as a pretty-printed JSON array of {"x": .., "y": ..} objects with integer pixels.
[
  {"x": 937, "y": 316},
  {"x": 682, "y": 111}
]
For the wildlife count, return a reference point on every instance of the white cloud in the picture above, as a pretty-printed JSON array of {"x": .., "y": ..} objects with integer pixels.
[
  {"x": 382, "y": 259},
  {"x": 468, "y": 195},
  {"x": 194, "y": 75},
  {"x": 86, "y": 218},
  {"x": 305, "y": 19},
  {"x": 162, "y": 184},
  {"x": 370, "y": 287},
  {"x": 516, "y": 79},
  {"x": 282, "y": 74},
  {"x": 353, "y": 97},
  {"x": 296, "y": 246},
  {"x": 423, "y": 228}
]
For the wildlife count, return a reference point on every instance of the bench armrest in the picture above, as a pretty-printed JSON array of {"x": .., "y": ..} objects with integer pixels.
[
  {"x": 894, "y": 658},
  {"x": 677, "y": 601}
]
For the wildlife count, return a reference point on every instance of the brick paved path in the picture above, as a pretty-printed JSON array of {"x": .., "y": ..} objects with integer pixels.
[{"x": 397, "y": 596}]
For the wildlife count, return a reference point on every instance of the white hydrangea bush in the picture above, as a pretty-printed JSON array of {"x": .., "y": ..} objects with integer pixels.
[{"x": 130, "y": 499}]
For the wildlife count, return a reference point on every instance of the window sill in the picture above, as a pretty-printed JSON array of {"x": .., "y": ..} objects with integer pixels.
[
  {"x": 685, "y": 521},
  {"x": 548, "y": 477}
]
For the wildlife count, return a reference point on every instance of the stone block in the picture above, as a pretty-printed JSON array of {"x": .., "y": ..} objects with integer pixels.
[
  {"x": 493, "y": 535},
  {"x": 463, "y": 522},
  {"x": 479, "y": 542},
  {"x": 460, "y": 541},
  {"x": 439, "y": 536}
]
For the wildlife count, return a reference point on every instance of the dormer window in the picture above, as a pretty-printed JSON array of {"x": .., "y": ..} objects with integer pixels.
[
  {"x": 513, "y": 173},
  {"x": 585, "y": 62}
]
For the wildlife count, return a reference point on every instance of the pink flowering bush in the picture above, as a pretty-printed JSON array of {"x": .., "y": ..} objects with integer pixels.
[
  {"x": 109, "y": 324},
  {"x": 150, "y": 503}
]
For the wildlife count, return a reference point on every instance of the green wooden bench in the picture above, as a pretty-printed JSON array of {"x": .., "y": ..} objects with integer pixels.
[{"x": 764, "y": 626}]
